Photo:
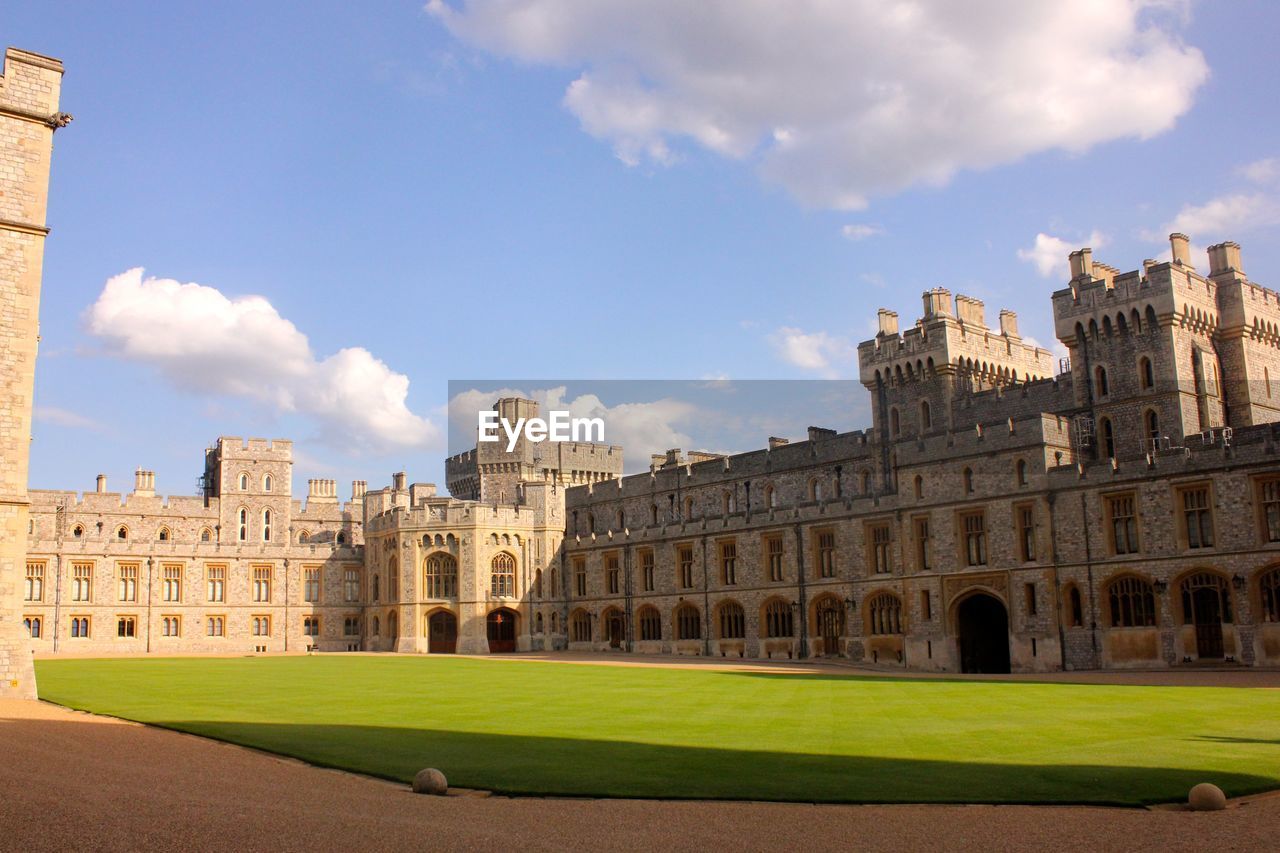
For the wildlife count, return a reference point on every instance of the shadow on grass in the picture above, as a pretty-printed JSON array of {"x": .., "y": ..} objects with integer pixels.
[{"x": 568, "y": 767}]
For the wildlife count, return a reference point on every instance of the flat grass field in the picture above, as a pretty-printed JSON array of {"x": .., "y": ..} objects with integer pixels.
[{"x": 529, "y": 727}]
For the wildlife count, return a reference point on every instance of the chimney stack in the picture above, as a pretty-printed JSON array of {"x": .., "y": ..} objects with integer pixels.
[
  {"x": 1009, "y": 324},
  {"x": 398, "y": 481},
  {"x": 937, "y": 302},
  {"x": 888, "y": 321},
  {"x": 775, "y": 442},
  {"x": 1081, "y": 264},
  {"x": 358, "y": 488},
  {"x": 1225, "y": 258},
  {"x": 102, "y": 484},
  {"x": 322, "y": 491},
  {"x": 144, "y": 483},
  {"x": 1181, "y": 245}
]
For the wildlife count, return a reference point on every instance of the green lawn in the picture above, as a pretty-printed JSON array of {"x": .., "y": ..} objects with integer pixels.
[{"x": 543, "y": 728}]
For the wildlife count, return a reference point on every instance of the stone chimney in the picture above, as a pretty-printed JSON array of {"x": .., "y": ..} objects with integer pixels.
[
  {"x": 888, "y": 321},
  {"x": 144, "y": 483},
  {"x": 358, "y": 488},
  {"x": 971, "y": 311},
  {"x": 322, "y": 491},
  {"x": 1181, "y": 245},
  {"x": 775, "y": 442},
  {"x": 1147, "y": 265},
  {"x": 1225, "y": 258},
  {"x": 102, "y": 484},
  {"x": 1106, "y": 274},
  {"x": 1081, "y": 264},
  {"x": 937, "y": 302},
  {"x": 816, "y": 433},
  {"x": 1009, "y": 323},
  {"x": 399, "y": 480}
]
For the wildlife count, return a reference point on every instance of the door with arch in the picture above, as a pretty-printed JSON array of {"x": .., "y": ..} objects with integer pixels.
[
  {"x": 830, "y": 619},
  {"x": 615, "y": 628},
  {"x": 501, "y": 625},
  {"x": 983, "y": 627},
  {"x": 1206, "y": 603},
  {"x": 442, "y": 633}
]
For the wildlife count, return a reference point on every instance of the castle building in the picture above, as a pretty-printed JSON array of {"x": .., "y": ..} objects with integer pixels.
[{"x": 1002, "y": 513}]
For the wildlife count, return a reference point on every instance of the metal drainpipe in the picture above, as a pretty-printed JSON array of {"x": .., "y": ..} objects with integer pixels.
[{"x": 150, "y": 565}]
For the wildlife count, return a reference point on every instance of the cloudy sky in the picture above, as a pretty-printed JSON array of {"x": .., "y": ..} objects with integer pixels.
[{"x": 302, "y": 220}]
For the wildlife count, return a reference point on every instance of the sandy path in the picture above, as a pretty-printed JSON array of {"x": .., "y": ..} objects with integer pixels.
[{"x": 71, "y": 780}]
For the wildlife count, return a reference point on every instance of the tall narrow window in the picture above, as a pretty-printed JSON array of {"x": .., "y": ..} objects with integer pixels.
[
  {"x": 244, "y": 482},
  {"x": 881, "y": 539},
  {"x": 646, "y": 569},
  {"x": 580, "y": 576},
  {"x": 243, "y": 534},
  {"x": 266, "y": 525},
  {"x": 778, "y": 620},
  {"x": 1146, "y": 373},
  {"x": 1151, "y": 421},
  {"x": 1076, "y": 607},
  {"x": 216, "y": 581},
  {"x": 311, "y": 585},
  {"x": 975, "y": 539},
  {"x": 684, "y": 566},
  {"x": 612, "y": 574},
  {"x": 1030, "y": 590},
  {"x": 1108, "y": 439},
  {"x": 1101, "y": 384},
  {"x": 1020, "y": 472},
  {"x": 921, "y": 528},
  {"x": 967, "y": 479},
  {"x": 826, "y": 553},
  {"x": 261, "y": 583},
  {"x": 34, "y": 589},
  {"x": 773, "y": 557},
  {"x": 1197, "y": 517},
  {"x": 1269, "y": 586},
  {"x": 1124, "y": 524},
  {"x": 884, "y": 614},
  {"x": 728, "y": 563},
  {"x": 81, "y": 581},
  {"x": 926, "y": 604},
  {"x": 266, "y": 482},
  {"x": 1133, "y": 603},
  {"x": 128, "y": 583},
  {"x": 1270, "y": 499},
  {"x": 351, "y": 585},
  {"x": 1026, "y": 519},
  {"x": 926, "y": 415},
  {"x": 172, "y": 583}
]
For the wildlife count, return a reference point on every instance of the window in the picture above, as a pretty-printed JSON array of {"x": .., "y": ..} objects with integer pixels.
[
  {"x": 884, "y": 614},
  {"x": 918, "y": 487},
  {"x": 650, "y": 623},
  {"x": 733, "y": 621},
  {"x": 163, "y": 534},
  {"x": 80, "y": 627},
  {"x": 1100, "y": 384},
  {"x": 612, "y": 574},
  {"x": 1108, "y": 439},
  {"x": 311, "y": 626},
  {"x": 825, "y": 547},
  {"x": 778, "y": 621},
  {"x": 921, "y": 530},
  {"x": 537, "y": 584},
  {"x": 122, "y": 532},
  {"x": 926, "y": 415},
  {"x": 580, "y": 627},
  {"x": 1133, "y": 603},
  {"x": 646, "y": 569},
  {"x": 1269, "y": 501},
  {"x": 266, "y": 525},
  {"x": 1124, "y": 524},
  {"x": 967, "y": 480},
  {"x": 351, "y": 585},
  {"x": 879, "y": 537},
  {"x": 580, "y": 576},
  {"x": 537, "y": 622},
  {"x": 688, "y": 622},
  {"x": 216, "y": 581},
  {"x": 974, "y": 525},
  {"x": 32, "y": 624},
  {"x": 728, "y": 563},
  {"x": 261, "y": 626},
  {"x": 206, "y": 535},
  {"x": 895, "y": 423},
  {"x": 1025, "y": 516},
  {"x": 773, "y": 557},
  {"x": 441, "y": 576},
  {"x": 1030, "y": 591},
  {"x": 34, "y": 588},
  {"x": 171, "y": 585},
  {"x": 1197, "y": 519},
  {"x": 1206, "y": 598},
  {"x": 926, "y": 605},
  {"x": 77, "y": 532},
  {"x": 393, "y": 579},
  {"x": 1075, "y": 607},
  {"x": 1145, "y": 374},
  {"x": 171, "y": 626},
  {"x": 244, "y": 482},
  {"x": 351, "y": 626},
  {"x": 128, "y": 582},
  {"x": 1151, "y": 421},
  {"x": 684, "y": 565},
  {"x": 377, "y": 589},
  {"x": 127, "y": 626},
  {"x": 266, "y": 482},
  {"x": 770, "y": 497},
  {"x": 555, "y": 582},
  {"x": 243, "y": 534},
  {"x": 215, "y": 626},
  {"x": 311, "y": 585},
  {"x": 1269, "y": 585},
  {"x": 82, "y": 581},
  {"x": 261, "y": 583}
]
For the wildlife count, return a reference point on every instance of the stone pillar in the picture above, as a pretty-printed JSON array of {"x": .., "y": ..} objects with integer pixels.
[{"x": 29, "y": 90}]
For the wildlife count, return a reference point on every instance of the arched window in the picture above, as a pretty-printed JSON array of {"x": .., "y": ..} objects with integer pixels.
[
  {"x": 864, "y": 482},
  {"x": 968, "y": 481},
  {"x": 919, "y": 487},
  {"x": 650, "y": 622},
  {"x": 122, "y": 532},
  {"x": 1151, "y": 421},
  {"x": 266, "y": 482},
  {"x": 537, "y": 584},
  {"x": 537, "y": 623},
  {"x": 688, "y": 622},
  {"x": 1100, "y": 381},
  {"x": 77, "y": 532},
  {"x": 726, "y": 503},
  {"x": 815, "y": 490},
  {"x": 1020, "y": 471},
  {"x": 1075, "y": 609},
  {"x": 377, "y": 589},
  {"x": 303, "y": 536},
  {"x": 555, "y": 622},
  {"x": 163, "y": 535},
  {"x": 1146, "y": 375},
  {"x": 770, "y": 496},
  {"x": 580, "y": 627},
  {"x": 503, "y": 575},
  {"x": 244, "y": 482},
  {"x": 884, "y": 614},
  {"x": 242, "y": 516},
  {"x": 1152, "y": 322},
  {"x": 1269, "y": 585},
  {"x": 441, "y": 576},
  {"x": 206, "y": 535},
  {"x": 266, "y": 525},
  {"x": 895, "y": 423},
  {"x": 1132, "y": 602},
  {"x": 733, "y": 621},
  {"x": 688, "y": 508},
  {"x": 620, "y": 519},
  {"x": 1108, "y": 439},
  {"x": 591, "y": 522},
  {"x": 1206, "y": 598},
  {"x": 341, "y": 539},
  {"x": 926, "y": 415},
  {"x": 778, "y": 620}
]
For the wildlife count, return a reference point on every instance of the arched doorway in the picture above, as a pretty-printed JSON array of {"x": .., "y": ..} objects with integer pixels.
[
  {"x": 502, "y": 630},
  {"x": 829, "y": 613},
  {"x": 983, "y": 626},
  {"x": 615, "y": 628},
  {"x": 442, "y": 633},
  {"x": 1206, "y": 603}
]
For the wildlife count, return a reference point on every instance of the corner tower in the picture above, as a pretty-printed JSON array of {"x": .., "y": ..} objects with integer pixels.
[{"x": 29, "y": 91}]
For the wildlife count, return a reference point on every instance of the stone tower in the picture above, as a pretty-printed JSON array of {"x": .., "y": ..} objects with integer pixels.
[{"x": 29, "y": 115}]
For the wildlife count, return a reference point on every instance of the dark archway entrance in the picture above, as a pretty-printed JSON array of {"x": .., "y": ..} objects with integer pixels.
[
  {"x": 830, "y": 618},
  {"x": 984, "y": 634},
  {"x": 502, "y": 630},
  {"x": 1206, "y": 603},
  {"x": 615, "y": 628},
  {"x": 442, "y": 633}
]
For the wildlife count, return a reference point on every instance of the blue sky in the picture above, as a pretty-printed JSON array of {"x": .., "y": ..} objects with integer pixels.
[{"x": 606, "y": 190}]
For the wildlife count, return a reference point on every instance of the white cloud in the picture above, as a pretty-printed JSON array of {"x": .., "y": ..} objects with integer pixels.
[
  {"x": 860, "y": 231},
  {"x": 820, "y": 352},
  {"x": 1223, "y": 217},
  {"x": 1049, "y": 254},
  {"x": 1261, "y": 171},
  {"x": 204, "y": 342},
  {"x": 837, "y": 102},
  {"x": 65, "y": 418}
]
